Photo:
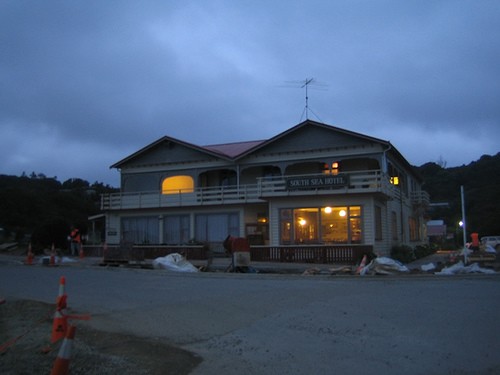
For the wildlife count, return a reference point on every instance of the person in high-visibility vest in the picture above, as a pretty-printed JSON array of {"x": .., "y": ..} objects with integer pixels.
[
  {"x": 474, "y": 246},
  {"x": 75, "y": 240}
]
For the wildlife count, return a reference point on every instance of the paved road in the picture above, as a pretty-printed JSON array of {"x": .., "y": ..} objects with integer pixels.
[{"x": 277, "y": 324}]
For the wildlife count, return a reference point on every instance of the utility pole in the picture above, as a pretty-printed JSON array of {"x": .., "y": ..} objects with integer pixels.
[{"x": 464, "y": 227}]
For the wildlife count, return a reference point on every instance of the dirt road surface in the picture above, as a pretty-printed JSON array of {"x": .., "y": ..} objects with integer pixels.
[{"x": 156, "y": 322}]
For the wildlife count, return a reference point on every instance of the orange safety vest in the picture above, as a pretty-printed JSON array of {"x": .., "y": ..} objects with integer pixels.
[
  {"x": 75, "y": 235},
  {"x": 475, "y": 239}
]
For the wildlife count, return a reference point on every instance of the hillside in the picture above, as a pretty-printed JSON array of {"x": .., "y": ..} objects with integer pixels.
[
  {"x": 43, "y": 209},
  {"x": 481, "y": 182}
]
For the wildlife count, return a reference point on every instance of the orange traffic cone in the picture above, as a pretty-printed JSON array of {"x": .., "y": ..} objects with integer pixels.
[
  {"x": 361, "y": 265},
  {"x": 82, "y": 255},
  {"x": 61, "y": 297},
  {"x": 60, "y": 323},
  {"x": 59, "y": 326},
  {"x": 61, "y": 365},
  {"x": 29, "y": 257}
]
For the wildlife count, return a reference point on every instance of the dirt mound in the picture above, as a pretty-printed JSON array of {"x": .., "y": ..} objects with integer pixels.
[{"x": 25, "y": 328}]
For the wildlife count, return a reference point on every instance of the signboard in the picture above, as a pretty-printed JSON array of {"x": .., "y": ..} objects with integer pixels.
[{"x": 315, "y": 182}]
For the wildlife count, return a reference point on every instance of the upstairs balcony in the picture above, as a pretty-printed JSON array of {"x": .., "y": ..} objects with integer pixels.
[
  {"x": 420, "y": 198},
  {"x": 359, "y": 182}
]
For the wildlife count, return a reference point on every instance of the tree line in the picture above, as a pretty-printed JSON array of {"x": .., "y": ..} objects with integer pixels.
[
  {"x": 41, "y": 210},
  {"x": 481, "y": 183}
]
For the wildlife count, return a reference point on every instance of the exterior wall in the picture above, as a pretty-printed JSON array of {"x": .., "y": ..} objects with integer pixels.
[
  {"x": 383, "y": 245},
  {"x": 113, "y": 229},
  {"x": 369, "y": 223}
]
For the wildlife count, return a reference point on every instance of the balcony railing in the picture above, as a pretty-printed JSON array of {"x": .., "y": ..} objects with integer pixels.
[
  {"x": 421, "y": 198},
  {"x": 373, "y": 181}
]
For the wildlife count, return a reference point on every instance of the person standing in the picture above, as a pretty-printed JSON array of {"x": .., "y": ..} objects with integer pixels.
[
  {"x": 475, "y": 241},
  {"x": 75, "y": 240}
]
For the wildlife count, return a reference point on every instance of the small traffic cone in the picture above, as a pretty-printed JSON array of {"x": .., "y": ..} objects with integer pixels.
[
  {"x": 59, "y": 326},
  {"x": 361, "y": 265},
  {"x": 61, "y": 365},
  {"x": 60, "y": 323},
  {"x": 82, "y": 254},
  {"x": 61, "y": 297},
  {"x": 29, "y": 256}
]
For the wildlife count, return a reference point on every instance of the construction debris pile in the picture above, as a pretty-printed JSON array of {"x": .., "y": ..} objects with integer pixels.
[{"x": 174, "y": 262}]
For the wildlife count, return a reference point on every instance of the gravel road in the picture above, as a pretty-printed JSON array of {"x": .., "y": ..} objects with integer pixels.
[{"x": 293, "y": 324}]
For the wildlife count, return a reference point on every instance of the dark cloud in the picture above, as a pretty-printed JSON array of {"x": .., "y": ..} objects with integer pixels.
[{"x": 84, "y": 84}]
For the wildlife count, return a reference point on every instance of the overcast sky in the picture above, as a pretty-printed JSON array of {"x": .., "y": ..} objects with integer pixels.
[{"x": 83, "y": 84}]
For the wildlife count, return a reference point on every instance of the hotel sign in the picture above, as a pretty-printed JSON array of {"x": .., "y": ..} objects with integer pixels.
[{"x": 315, "y": 182}]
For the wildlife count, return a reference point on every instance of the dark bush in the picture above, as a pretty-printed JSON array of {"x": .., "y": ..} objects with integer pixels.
[
  {"x": 402, "y": 253},
  {"x": 422, "y": 251},
  {"x": 52, "y": 232}
]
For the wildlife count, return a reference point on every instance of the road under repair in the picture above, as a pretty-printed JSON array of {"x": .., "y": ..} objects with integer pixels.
[{"x": 294, "y": 324}]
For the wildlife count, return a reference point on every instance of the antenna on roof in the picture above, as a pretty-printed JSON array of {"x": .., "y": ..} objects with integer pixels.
[{"x": 305, "y": 85}]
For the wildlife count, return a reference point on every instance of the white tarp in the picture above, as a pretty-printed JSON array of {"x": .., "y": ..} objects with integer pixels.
[
  {"x": 174, "y": 262},
  {"x": 490, "y": 249},
  {"x": 45, "y": 260},
  {"x": 428, "y": 267},
  {"x": 459, "y": 268},
  {"x": 384, "y": 266}
]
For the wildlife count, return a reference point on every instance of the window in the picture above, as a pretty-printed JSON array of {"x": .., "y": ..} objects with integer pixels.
[
  {"x": 216, "y": 227},
  {"x": 177, "y": 185},
  {"x": 341, "y": 224},
  {"x": 334, "y": 225},
  {"x": 286, "y": 226},
  {"x": 413, "y": 229},
  {"x": 176, "y": 229},
  {"x": 333, "y": 170},
  {"x": 305, "y": 225},
  {"x": 140, "y": 230},
  {"x": 354, "y": 213}
]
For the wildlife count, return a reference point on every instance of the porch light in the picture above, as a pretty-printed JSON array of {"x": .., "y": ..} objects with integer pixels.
[
  {"x": 328, "y": 210},
  {"x": 302, "y": 222},
  {"x": 342, "y": 213},
  {"x": 395, "y": 180}
]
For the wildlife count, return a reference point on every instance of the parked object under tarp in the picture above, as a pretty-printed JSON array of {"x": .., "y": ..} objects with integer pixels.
[
  {"x": 459, "y": 268},
  {"x": 384, "y": 266},
  {"x": 174, "y": 262}
]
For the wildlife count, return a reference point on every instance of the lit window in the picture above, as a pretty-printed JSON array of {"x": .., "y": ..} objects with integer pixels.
[
  {"x": 177, "y": 184},
  {"x": 335, "y": 168},
  {"x": 326, "y": 169}
]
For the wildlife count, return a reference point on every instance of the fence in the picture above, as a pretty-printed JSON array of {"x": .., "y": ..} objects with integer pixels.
[{"x": 326, "y": 254}]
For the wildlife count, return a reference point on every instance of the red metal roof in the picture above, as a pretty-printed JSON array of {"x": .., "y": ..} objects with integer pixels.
[{"x": 233, "y": 149}]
